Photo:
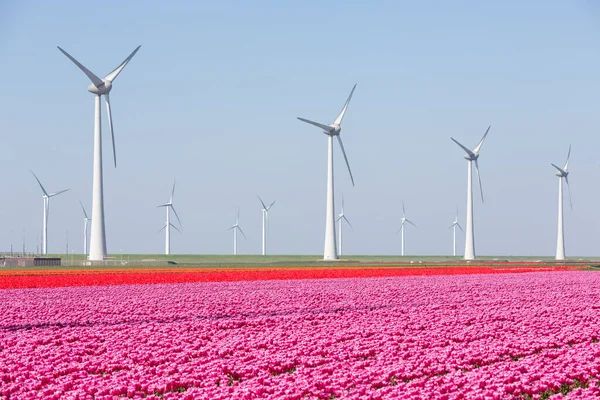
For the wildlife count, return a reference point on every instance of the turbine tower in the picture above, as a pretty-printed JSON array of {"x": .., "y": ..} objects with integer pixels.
[
  {"x": 168, "y": 225},
  {"x": 562, "y": 173},
  {"x": 472, "y": 155},
  {"x": 85, "y": 229},
  {"x": 235, "y": 228},
  {"x": 453, "y": 226},
  {"x": 332, "y": 130},
  {"x": 403, "y": 221},
  {"x": 99, "y": 88},
  {"x": 340, "y": 220},
  {"x": 265, "y": 221},
  {"x": 46, "y": 198}
]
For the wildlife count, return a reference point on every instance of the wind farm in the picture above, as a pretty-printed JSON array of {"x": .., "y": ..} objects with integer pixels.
[{"x": 333, "y": 247}]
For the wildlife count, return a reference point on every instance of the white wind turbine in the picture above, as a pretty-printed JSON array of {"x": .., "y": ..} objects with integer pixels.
[
  {"x": 265, "y": 221},
  {"x": 562, "y": 173},
  {"x": 235, "y": 228},
  {"x": 453, "y": 226},
  {"x": 85, "y": 229},
  {"x": 472, "y": 155},
  {"x": 404, "y": 220},
  {"x": 331, "y": 130},
  {"x": 100, "y": 87},
  {"x": 168, "y": 225},
  {"x": 46, "y": 196},
  {"x": 340, "y": 220}
]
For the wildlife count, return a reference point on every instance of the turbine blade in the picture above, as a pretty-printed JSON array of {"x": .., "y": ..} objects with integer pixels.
[
  {"x": 479, "y": 179},
  {"x": 57, "y": 193},
  {"x": 403, "y": 211},
  {"x": 478, "y": 147},
  {"x": 39, "y": 183},
  {"x": 559, "y": 168},
  {"x": 569, "y": 190},
  {"x": 83, "y": 209},
  {"x": 95, "y": 80},
  {"x": 567, "y": 162},
  {"x": 242, "y": 232},
  {"x": 346, "y": 219},
  {"x": 338, "y": 218},
  {"x": 460, "y": 227},
  {"x": 326, "y": 128},
  {"x": 177, "y": 229},
  {"x": 469, "y": 152},
  {"x": 113, "y": 75},
  {"x": 345, "y": 158},
  {"x": 262, "y": 202},
  {"x": 173, "y": 191},
  {"x": 175, "y": 212},
  {"x": 163, "y": 205},
  {"x": 270, "y": 205},
  {"x": 110, "y": 124},
  {"x": 161, "y": 229},
  {"x": 410, "y": 222},
  {"x": 339, "y": 118}
]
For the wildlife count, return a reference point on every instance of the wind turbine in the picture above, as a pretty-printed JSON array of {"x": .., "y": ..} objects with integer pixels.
[
  {"x": 265, "y": 221},
  {"x": 46, "y": 196},
  {"x": 403, "y": 221},
  {"x": 235, "y": 228},
  {"x": 99, "y": 88},
  {"x": 472, "y": 155},
  {"x": 332, "y": 130},
  {"x": 340, "y": 220},
  {"x": 168, "y": 225},
  {"x": 562, "y": 173},
  {"x": 85, "y": 229},
  {"x": 454, "y": 225}
]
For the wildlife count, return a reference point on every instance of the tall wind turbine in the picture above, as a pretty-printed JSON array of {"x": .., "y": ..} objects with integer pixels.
[
  {"x": 46, "y": 196},
  {"x": 453, "y": 226},
  {"x": 404, "y": 220},
  {"x": 85, "y": 229},
  {"x": 168, "y": 225},
  {"x": 265, "y": 221},
  {"x": 235, "y": 228},
  {"x": 472, "y": 155},
  {"x": 340, "y": 220},
  {"x": 562, "y": 173},
  {"x": 332, "y": 130},
  {"x": 99, "y": 88}
]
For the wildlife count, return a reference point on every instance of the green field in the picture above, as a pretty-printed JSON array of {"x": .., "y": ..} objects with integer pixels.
[{"x": 211, "y": 261}]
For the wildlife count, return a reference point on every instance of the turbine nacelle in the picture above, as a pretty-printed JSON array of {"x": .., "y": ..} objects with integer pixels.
[
  {"x": 102, "y": 89},
  {"x": 334, "y": 131},
  {"x": 471, "y": 157}
]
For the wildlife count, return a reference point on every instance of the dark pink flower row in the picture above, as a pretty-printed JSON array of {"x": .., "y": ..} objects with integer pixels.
[{"x": 465, "y": 336}]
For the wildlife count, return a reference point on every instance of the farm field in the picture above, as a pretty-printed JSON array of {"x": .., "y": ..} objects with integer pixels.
[{"x": 473, "y": 333}]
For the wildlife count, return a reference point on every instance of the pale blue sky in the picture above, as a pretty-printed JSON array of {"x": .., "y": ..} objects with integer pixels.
[{"x": 212, "y": 98}]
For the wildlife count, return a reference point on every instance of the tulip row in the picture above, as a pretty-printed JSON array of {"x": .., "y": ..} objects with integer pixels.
[
  {"x": 61, "y": 278},
  {"x": 523, "y": 336}
]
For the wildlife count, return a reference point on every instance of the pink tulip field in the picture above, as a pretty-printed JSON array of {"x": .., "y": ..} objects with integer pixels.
[{"x": 488, "y": 336}]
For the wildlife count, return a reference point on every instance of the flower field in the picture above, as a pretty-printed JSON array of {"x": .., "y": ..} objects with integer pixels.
[
  {"x": 522, "y": 336},
  {"x": 73, "y": 277}
]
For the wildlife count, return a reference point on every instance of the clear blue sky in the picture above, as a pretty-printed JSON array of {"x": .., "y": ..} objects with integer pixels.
[{"x": 212, "y": 99}]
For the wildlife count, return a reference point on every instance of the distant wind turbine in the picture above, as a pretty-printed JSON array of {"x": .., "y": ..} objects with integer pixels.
[
  {"x": 404, "y": 220},
  {"x": 46, "y": 196},
  {"x": 85, "y": 229},
  {"x": 340, "y": 220},
  {"x": 331, "y": 130},
  {"x": 472, "y": 155},
  {"x": 235, "y": 228},
  {"x": 453, "y": 226},
  {"x": 265, "y": 222},
  {"x": 99, "y": 88},
  {"x": 168, "y": 225},
  {"x": 562, "y": 173}
]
